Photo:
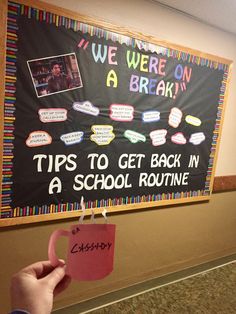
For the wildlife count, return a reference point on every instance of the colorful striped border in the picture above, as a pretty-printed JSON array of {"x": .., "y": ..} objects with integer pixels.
[
  {"x": 53, "y": 208},
  {"x": 216, "y": 130},
  {"x": 15, "y": 10},
  {"x": 9, "y": 109}
]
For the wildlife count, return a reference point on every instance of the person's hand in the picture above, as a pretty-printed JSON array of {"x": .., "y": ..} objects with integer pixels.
[{"x": 33, "y": 288}]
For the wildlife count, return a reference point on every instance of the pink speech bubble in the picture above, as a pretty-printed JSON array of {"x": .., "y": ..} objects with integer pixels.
[
  {"x": 178, "y": 138},
  {"x": 121, "y": 112},
  {"x": 52, "y": 115},
  {"x": 38, "y": 138}
]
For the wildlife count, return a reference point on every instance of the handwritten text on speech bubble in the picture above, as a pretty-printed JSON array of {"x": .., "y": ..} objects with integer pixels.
[
  {"x": 103, "y": 134},
  {"x": 151, "y": 116},
  {"x": 178, "y": 138},
  {"x": 175, "y": 117},
  {"x": 193, "y": 120},
  {"x": 86, "y": 107},
  {"x": 121, "y": 112},
  {"x": 38, "y": 138},
  {"x": 158, "y": 137},
  {"x": 72, "y": 138},
  {"x": 134, "y": 137},
  {"x": 52, "y": 115},
  {"x": 197, "y": 138}
]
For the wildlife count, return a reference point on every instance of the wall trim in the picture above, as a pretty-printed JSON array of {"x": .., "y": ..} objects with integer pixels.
[{"x": 224, "y": 184}]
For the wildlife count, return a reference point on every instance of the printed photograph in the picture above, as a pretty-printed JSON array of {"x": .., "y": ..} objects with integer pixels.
[{"x": 55, "y": 74}]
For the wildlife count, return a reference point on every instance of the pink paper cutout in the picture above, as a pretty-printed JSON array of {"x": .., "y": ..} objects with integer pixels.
[{"x": 90, "y": 253}]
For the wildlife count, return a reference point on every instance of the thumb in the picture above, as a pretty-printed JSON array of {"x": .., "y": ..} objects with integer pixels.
[{"x": 55, "y": 276}]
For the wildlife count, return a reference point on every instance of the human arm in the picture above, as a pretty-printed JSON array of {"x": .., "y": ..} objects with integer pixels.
[{"x": 34, "y": 287}]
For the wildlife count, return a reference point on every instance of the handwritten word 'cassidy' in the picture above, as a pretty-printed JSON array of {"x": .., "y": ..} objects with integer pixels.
[{"x": 89, "y": 247}]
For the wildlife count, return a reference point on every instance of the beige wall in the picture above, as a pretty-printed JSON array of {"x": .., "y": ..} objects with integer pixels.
[
  {"x": 148, "y": 244},
  {"x": 152, "y": 242}
]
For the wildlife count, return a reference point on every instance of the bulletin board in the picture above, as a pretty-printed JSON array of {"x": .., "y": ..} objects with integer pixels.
[{"x": 94, "y": 111}]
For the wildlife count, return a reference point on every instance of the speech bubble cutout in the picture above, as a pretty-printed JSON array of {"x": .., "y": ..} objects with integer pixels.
[
  {"x": 151, "y": 116},
  {"x": 86, "y": 107},
  {"x": 38, "y": 138},
  {"x": 52, "y": 115},
  {"x": 197, "y": 138},
  {"x": 121, "y": 112},
  {"x": 72, "y": 138},
  {"x": 103, "y": 134},
  {"x": 134, "y": 137},
  {"x": 178, "y": 138},
  {"x": 193, "y": 120},
  {"x": 158, "y": 137},
  {"x": 175, "y": 117}
]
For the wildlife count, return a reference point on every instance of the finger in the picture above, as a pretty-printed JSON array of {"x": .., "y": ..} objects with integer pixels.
[
  {"x": 55, "y": 276},
  {"x": 47, "y": 269},
  {"x": 62, "y": 285},
  {"x": 40, "y": 269}
]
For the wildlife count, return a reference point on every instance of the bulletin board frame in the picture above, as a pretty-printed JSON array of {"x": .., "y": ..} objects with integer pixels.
[{"x": 191, "y": 55}]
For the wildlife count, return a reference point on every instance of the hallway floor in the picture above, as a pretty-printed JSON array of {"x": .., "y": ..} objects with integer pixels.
[{"x": 209, "y": 292}]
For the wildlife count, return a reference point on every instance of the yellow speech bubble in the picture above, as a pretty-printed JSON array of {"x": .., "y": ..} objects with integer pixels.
[
  {"x": 193, "y": 120},
  {"x": 103, "y": 134}
]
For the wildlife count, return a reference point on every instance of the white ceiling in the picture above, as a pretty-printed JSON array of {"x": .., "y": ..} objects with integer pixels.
[{"x": 217, "y": 13}]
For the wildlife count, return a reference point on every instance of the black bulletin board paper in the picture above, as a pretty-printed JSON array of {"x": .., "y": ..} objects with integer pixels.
[{"x": 94, "y": 113}]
